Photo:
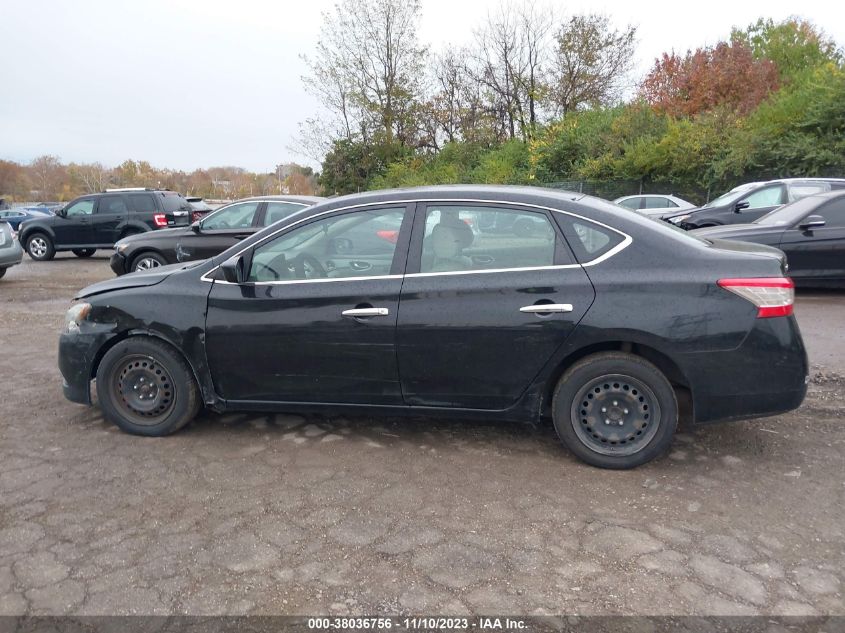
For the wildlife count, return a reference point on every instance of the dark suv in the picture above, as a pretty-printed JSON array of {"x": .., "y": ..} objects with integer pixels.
[{"x": 101, "y": 219}]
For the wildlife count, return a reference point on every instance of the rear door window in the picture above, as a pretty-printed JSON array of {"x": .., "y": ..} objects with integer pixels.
[
  {"x": 833, "y": 213},
  {"x": 631, "y": 203},
  {"x": 469, "y": 238},
  {"x": 114, "y": 205},
  {"x": 235, "y": 216},
  {"x": 802, "y": 190},
  {"x": 659, "y": 203}
]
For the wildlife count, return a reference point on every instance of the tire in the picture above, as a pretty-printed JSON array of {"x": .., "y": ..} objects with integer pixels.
[
  {"x": 147, "y": 261},
  {"x": 615, "y": 410},
  {"x": 140, "y": 368},
  {"x": 84, "y": 252},
  {"x": 40, "y": 247},
  {"x": 2, "y": 272}
]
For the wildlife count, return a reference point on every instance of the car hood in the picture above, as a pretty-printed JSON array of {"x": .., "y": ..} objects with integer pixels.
[
  {"x": 735, "y": 231},
  {"x": 134, "y": 280}
]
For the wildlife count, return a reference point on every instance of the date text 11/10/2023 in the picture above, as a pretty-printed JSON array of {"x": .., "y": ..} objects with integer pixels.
[{"x": 417, "y": 623}]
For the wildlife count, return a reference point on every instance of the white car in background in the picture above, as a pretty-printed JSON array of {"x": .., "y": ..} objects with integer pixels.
[{"x": 654, "y": 205}]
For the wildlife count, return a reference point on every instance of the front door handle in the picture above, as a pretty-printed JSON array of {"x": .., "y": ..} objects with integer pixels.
[
  {"x": 547, "y": 307},
  {"x": 358, "y": 313}
]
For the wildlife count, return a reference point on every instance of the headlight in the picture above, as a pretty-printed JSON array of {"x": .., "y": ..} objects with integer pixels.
[
  {"x": 679, "y": 218},
  {"x": 120, "y": 247},
  {"x": 76, "y": 315}
]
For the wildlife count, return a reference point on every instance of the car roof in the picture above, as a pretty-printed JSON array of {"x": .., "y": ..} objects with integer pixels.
[
  {"x": 284, "y": 198},
  {"x": 467, "y": 192}
]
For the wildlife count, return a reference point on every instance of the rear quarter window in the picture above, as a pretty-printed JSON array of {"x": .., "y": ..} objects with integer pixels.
[
  {"x": 587, "y": 239},
  {"x": 175, "y": 202}
]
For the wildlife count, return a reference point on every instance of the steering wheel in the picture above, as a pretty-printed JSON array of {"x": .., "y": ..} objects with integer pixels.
[{"x": 308, "y": 267}]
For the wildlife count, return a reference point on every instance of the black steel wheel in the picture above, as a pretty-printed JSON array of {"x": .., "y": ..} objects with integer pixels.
[
  {"x": 146, "y": 388},
  {"x": 615, "y": 410}
]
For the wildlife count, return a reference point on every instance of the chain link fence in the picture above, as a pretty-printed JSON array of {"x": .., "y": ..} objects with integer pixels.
[{"x": 612, "y": 189}]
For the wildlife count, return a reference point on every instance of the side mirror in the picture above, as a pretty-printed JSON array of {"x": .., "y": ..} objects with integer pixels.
[
  {"x": 196, "y": 227},
  {"x": 60, "y": 211},
  {"x": 739, "y": 206},
  {"x": 811, "y": 222},
  {"x": 234, "y": 269}
]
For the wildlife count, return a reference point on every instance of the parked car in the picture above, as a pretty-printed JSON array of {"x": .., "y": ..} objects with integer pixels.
[
  {"x": 208, "y": 237},
  {"x": 748, "y": 202},
  {"x": 4, "y": 205},
  {"x": 654, "y": 205},
  {"x": 811, "y": 232},
  {"x": 10, "y": 249},
  {"x": 200, "y": 208},
  {"x": 20, "y": 214},
  {"x": 583, "y": 323},
  {"x": 101, "y": 219}
]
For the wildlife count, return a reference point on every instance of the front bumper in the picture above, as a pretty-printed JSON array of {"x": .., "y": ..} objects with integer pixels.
[
  {"x": 77, "y": 353},
  {"x": 118, "y": 264},
  {"x": 766, "y": 375}
]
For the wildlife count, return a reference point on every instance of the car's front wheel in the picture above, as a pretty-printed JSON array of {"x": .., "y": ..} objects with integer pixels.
[
  {"x": 40, "y": 247},
  {"x": 615, "y": 410},
  {"x": 2, "y": 272},
  {"x": 146, "y": 388},
  {"x": 147, "y": 261}
]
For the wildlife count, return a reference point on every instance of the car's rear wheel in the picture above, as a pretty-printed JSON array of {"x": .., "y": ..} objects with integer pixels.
[
  {"x": 615, "y": 410},
  {"x": 40, "y": 247},
  {"x": 84, "y": 252},
  {"x": 147, "y": 261},
  {"x": 146, "y": 388}
]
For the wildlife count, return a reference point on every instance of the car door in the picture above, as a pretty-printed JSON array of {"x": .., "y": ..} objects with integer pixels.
[
  {"x": 481, "y": 312},
  {"x": 109, "y": 218},
  {"x": 74, "y": 227},
  {"x": 304, "y": 327},
  {"x": 758, "y": 203},
  {"x": 219, "y": 230},
  {"x": 818, "y": 253}
]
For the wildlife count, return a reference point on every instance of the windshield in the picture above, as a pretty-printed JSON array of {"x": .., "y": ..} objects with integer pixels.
[{"x": 789, "y": 214}]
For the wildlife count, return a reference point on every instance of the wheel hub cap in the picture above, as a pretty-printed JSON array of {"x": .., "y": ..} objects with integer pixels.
[{"x": 144, "y": 390}]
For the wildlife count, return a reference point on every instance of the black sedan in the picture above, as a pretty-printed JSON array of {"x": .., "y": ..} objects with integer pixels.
[
  {"x": 810, "y": 231},
  {"x": 211, "y": 235},
  {"x": 389, "y": 302}
]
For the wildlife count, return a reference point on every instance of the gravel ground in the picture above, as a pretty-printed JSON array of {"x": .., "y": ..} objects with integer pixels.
[{"x": 279, "y": 514}]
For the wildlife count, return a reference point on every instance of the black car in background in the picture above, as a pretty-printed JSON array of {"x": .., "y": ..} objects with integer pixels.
[
  {"x": 388, "y": 302},
  {"x": 751, "y": 201},
  {"x": 199, "y": 208},
  {"x": 211, "y": 235},
  {"x": 810, "y": 231},
  {"x": 101, "y": 219}
]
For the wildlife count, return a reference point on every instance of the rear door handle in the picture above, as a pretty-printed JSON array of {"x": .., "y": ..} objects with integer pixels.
[
  {"x": 547, "y": 307},
  {"x": 365, "y": 312}
]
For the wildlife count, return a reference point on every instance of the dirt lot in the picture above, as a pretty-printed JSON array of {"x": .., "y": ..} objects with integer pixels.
[{"x": 280, "y": 514}]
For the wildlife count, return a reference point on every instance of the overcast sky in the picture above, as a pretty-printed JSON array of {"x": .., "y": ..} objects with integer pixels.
[{"x": 202, "y": 83}]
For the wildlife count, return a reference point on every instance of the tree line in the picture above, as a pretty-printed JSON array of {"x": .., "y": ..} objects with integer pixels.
[
  {"x": 48, "y": 179},
  {"x": 538, "y": 97}
]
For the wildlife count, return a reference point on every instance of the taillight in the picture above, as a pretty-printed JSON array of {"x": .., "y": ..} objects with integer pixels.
[
  {"x": 390, "y": 236},
  {"x": 160, "y": 219},
  {"x": 773, "y": 296}
]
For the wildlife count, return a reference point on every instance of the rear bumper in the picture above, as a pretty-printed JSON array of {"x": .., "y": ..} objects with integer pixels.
[
  {"x": 11, "y": 254},
  {"x": 766, "y": 375}
]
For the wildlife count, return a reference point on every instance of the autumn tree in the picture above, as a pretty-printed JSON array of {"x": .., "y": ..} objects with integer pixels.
[
  {"x": 794, "y": 45},
  {"x": 590, "y": 63},
  {"x": 47, "y": 175},
  {"x": 726, "y": 75},
  {"x": 367, "y": 68}
]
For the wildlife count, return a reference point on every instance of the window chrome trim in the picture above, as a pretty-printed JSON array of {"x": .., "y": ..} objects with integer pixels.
[{"x": 593, "y": 262}]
